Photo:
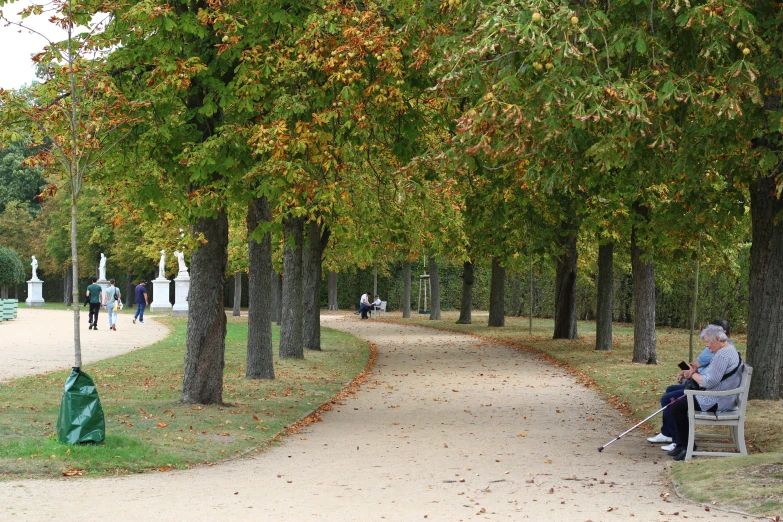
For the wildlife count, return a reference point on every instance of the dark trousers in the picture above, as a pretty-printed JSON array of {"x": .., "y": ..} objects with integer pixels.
[
  {"x": 94, "y": 309},
  {"x": 679, "y": 413},
  {"x": 364, "y": 309},
  {"x": 140, "y": 311},
  {"x": 672, "y": 392}
]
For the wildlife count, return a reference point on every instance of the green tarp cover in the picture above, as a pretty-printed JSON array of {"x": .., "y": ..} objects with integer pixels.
[{"x": 81, "y": 415}]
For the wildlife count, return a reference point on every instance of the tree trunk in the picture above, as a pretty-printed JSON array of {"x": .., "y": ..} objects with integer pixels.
[
  {"x": 206, "y": 338},
  {"x": 68, "y": 287},
  {"x": 515, "y": 305},
  {"x": 275, "y": 289},
  {"x": 435, "y": 295},
  {"x": 497, "y": 295},
  {"x": 565, "y": 292},
  {"x": 765, "y": 305},
  {"x": 3, "y": 291},
  {"x": 261, "y": 279},
  {"x": 332, "y": 298},
  {"x": 279, "y": 310},
  {"x": 237, "y": 294},
  {"x": 311, "y": 302},
  {"x": 644, "y": 305},
  {"x": 604, "y": 305},
  {"x": 466, "y": 301},
  {"x": 77, "y": 342},
  {"x": 291, "y": 329},
  {"x": 406, "y": 293},
  {"x": 130, "y": 294},
  {"x": 66, "y": 296}
]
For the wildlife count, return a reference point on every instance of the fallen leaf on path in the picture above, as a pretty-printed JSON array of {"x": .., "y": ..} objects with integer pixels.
[{"x": 162, "y": 425}]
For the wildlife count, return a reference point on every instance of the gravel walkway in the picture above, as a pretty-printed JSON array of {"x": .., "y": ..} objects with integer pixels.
[
  {"x": 448, "y": 428},
  {"x": 41, "y": 340}
]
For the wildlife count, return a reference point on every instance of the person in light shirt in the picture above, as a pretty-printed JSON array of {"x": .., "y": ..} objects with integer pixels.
[{"x": 364, "y": 305}]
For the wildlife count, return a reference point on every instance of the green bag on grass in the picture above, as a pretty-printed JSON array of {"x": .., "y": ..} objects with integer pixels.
[{"x": 81, "y": 415}]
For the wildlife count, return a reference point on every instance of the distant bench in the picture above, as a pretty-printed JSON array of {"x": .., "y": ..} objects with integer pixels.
[
  {"x": 8, "y": 309},
  {"x": 376, "y": 310},
  {"x": 734, "y": 419}
]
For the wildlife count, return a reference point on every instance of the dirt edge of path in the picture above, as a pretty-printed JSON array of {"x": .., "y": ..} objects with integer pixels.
[{"x": 350, "y": 389}]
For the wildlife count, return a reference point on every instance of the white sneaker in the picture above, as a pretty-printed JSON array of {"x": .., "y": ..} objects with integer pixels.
[
  {"x": 659, "y": 439},
  {"x": 669, "y": 447}
]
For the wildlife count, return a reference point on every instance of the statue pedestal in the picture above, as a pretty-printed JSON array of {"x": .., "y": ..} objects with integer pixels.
[
  {"x": 104, "y": 283},
  {"x": 160, "y": 295},
  {"x": 181, "y": 291},
  {"x": 34, "y": 293}
]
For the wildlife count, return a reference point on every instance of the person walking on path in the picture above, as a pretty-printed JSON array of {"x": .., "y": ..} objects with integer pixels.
[
  {"x": 111, "y": 296},
  {"x": 141, "y": 301},
  {"x": 94, "y": 294}
]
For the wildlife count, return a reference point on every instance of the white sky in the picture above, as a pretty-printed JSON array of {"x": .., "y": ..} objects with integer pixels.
[{"x": 17, "y": 46}]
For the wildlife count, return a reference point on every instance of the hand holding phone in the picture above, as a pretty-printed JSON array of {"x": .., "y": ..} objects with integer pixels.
[{"x": 684, "y": 366}]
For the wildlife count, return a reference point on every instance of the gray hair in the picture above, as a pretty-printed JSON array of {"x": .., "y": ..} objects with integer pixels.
[{"x": 714, "y": 332}]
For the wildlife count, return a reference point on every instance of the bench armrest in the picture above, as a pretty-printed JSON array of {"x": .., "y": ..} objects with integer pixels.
[{"x": 705, "y": 393}]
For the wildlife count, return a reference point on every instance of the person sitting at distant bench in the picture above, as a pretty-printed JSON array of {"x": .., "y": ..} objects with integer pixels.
[
  {"x": 364, "y": 305},
  {"x": 364, "y": 299},
  {"x": 376, "y": 305}
]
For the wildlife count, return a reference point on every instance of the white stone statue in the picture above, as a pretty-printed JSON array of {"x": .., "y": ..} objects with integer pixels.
[
  {"x": 34, "y": 264},
  {"x": 162, "y": 265},
  {"x": 183, "y": 269},
  {"x": 102, "y": 268}
]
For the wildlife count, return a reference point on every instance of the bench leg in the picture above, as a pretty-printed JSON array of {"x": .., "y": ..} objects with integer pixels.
[
  {"x": 691, "y": 438},
  {"x": 741, "y": 439}
]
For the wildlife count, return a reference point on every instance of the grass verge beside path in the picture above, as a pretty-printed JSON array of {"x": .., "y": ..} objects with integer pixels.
[
  {"x": 146, "y": 428},
  {"x": 752, "y": 484}
]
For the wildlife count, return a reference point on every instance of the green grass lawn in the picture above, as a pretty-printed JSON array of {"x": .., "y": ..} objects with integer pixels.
[
  {"x": 146, "y": 428},
  {"x": 752, "y": 484}
]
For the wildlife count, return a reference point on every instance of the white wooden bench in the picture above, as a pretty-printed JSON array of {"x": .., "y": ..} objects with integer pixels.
[
  {"x": 380, "y": 310},
  {"x": 734, "y": 419}
]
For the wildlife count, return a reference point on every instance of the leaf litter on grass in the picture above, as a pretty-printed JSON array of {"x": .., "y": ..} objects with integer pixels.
[{"x": 147, "y": 429}]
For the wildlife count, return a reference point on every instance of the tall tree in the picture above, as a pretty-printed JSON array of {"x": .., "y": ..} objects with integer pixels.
[
  {"x": 261, "y": 278},
  {"x": 435, "y": 282},
  {"x": 74, "y": 115},
  {"x": 644, "y": 304},
  {"x": 317, "y": 239},
  {"x": 466, "y": 299},
  {"x": 291, "y": 339},
  {"x": 497, "y": 312},
  {"x": 604, "y": 306},
  {"x": 406, "y": 293},
  {"x": 565, "y": 289},
  {"x": 332, "y": 291}
]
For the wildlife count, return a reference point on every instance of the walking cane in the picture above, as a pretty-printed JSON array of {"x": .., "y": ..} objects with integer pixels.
[{"x": 640, "y": 423}]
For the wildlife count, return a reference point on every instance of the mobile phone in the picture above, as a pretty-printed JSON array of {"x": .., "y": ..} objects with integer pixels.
[{"x": 684, "y": 366}]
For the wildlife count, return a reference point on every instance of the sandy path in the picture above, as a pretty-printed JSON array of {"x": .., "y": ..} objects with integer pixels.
[
  {"x": 42, "y": 340},
  {"x": 449, "y": 428}
]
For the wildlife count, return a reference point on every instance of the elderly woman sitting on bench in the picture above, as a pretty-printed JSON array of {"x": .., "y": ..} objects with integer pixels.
[{"x": 722, "y": 374}]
